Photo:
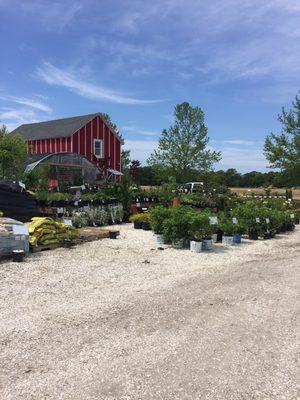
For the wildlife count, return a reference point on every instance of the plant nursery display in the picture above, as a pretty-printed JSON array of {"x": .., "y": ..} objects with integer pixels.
[
  {"x": 96, "y": 216},
  {"x": 141, "y": 221},
  {"x": 184, "y": 225}
]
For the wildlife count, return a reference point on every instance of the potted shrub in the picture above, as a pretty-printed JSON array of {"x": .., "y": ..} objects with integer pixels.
[
  {"x": 157, "y": 217},
  {"x": 137, "y": 220},
  {"x": 199, "y": 227},
  {"x": 141, "y": 221},
  {"x": 177, "y": 227},
  {"x": 238, "y": 230},
  {"x": 146, "y": 222},
  {"x": 227, "y": 227},
  {"x": 288, "y": 220},
  {"x": 207, "y": 243}
]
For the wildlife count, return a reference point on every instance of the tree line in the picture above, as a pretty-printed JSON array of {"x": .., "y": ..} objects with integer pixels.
[{"x": 149, "y": 176}]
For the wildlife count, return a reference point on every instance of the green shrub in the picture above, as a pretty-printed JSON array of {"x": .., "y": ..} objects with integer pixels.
[
  {"x": 200, "y": 226},
  {"x": 140, "y": 217},
  {"x": 157, "y": 217},
  {"x": 178, "y": 225},
  {"x": 229, "y": 228}
]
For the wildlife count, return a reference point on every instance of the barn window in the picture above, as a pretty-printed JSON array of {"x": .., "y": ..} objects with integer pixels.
[{"x": 98, "y": 148}]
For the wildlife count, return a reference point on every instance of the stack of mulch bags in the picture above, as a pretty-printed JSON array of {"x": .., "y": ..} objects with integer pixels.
[{"x": 44, "y": 231}]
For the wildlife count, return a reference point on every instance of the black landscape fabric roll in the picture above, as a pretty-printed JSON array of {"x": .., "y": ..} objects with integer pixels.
[{"x": 16, "y": 203}]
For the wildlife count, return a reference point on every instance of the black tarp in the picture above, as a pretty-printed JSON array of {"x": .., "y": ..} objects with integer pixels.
[{"x": 16, "y": 203}]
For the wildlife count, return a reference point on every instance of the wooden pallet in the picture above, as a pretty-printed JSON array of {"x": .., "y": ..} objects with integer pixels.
[
  {"x": 44, "y": 247},
  {"x": 87, "y": 234},
  {"x": 90, "y": 234}
]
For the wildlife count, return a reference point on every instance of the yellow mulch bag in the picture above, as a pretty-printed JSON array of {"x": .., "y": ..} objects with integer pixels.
[{"x": 44, "y": 230}]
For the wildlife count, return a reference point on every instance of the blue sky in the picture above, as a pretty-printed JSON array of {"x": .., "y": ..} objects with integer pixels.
[{"x": 238, "y": 60}]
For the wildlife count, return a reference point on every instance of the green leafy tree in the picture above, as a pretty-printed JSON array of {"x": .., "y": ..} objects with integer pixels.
[
  {"x": 283, "y": 150},
  {"x": 125, "y": 154},
  {"x": 13, "y": 154},
  {"x": 183, "y": 147},
  {"x": 3, "y": 131}
]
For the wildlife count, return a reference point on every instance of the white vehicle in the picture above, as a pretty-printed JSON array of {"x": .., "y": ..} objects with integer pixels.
[{"x": 192, "y": 187}]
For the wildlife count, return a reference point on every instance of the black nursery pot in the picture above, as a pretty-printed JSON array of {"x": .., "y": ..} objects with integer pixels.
[
  {"x": 67, "y": 243},
  {"x": 290, "y": 227},
  {"x": 112, "y": 234},
  {"x": 283, "y": 228},
  {"x": 137, "y": 225},
  {"x": 146, "y": 226},
  {"x": 267, "y": 235},
  {"x": 219, "y": 236},
  {"x": 18, "y": 255},
  {"x": 253, "y": 235}
]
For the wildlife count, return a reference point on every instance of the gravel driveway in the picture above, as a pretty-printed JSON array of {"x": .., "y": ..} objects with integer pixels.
[{"x": 121, "y": 319}]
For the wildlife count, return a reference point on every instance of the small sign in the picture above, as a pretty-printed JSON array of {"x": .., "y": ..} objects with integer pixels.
[
  {"x": 60, "y": 210},
  {"x": 257, "y": 220},
  {"x": 234, "y": 220},
  {"x": 68, "y": 222},
  {"x": 213, "y": 220},
  {"x": 20, "y": 230},
  {"x": 292, "y": 216},
  {"x": 267, "y": 220}
]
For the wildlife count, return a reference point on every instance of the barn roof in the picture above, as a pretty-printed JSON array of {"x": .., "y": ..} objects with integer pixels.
[{"x": 53, "y": 129}]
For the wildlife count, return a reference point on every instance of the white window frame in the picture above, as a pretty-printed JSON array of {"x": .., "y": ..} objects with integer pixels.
[{"x": 98, "y": 141}]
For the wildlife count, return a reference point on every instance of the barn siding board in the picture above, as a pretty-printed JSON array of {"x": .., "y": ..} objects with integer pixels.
[
  {"x": 118, "y": 155},
  {"x": 111, "y": 149},
  {"x": 88, "y": 140}
]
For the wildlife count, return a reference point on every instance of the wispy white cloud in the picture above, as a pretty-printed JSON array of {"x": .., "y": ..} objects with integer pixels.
[
  {"x": 33, "y": 103},
  {"x": 242, "y": 159},
  {"x": 238, "y": 142},
  {"x": 14, "y": 117},
  {"x": 217, "y": 41},
  {"x": 136, "y": 130},
  {"x": 54, "y": 76}
]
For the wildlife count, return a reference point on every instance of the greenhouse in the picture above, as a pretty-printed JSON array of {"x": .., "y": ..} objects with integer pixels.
[{"x": 66, "y": 166}]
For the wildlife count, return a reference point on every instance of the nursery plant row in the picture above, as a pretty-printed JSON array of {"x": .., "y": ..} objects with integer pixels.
[
  {"x": 95, "y": 216},
  {"x": 182, "y": 226}
]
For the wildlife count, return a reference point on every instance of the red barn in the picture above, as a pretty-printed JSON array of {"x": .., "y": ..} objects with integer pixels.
[{"x": 87, "y": 135}]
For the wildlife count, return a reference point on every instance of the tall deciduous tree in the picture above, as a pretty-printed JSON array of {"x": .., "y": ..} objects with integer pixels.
[
  {"x": 283, "y": 150},
  {"x": 12, "y": 155},
  {"x": 125, "y": 154},
  {"x": 183, "y": 147}
]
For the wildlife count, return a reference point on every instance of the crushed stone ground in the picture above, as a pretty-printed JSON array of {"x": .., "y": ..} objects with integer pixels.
[{"x": 121, "y": 319}]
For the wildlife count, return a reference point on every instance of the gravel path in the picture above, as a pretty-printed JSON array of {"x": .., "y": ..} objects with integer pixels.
[{"x": 121, "y": 319}]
